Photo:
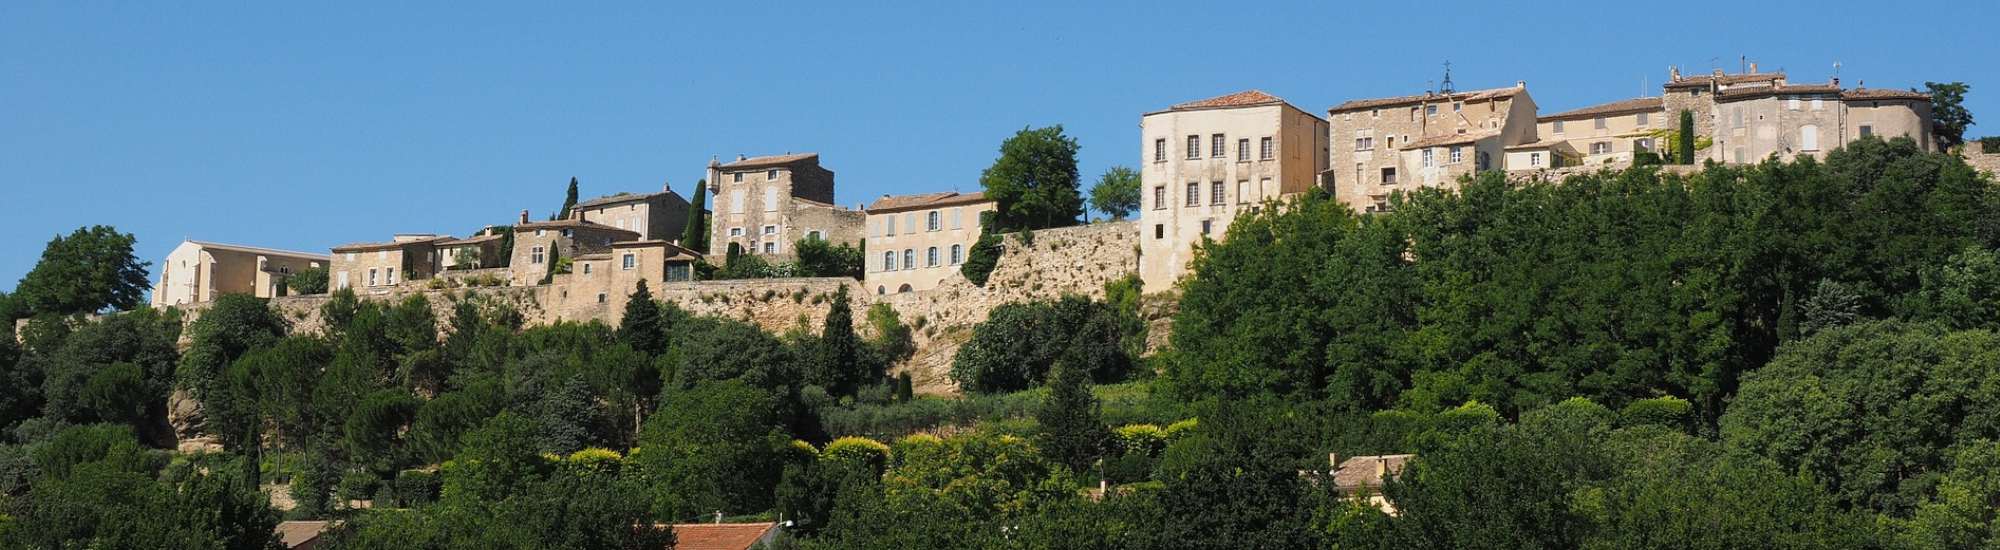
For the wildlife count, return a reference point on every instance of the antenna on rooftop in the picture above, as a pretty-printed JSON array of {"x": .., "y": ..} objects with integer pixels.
[{"x": 1446, "y": 87}]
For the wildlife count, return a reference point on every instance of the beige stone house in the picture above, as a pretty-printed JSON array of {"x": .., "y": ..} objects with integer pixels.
[
  {"x": 1607, "y": 133},
  {"x": 764, "y": 204},
  {"x": 1385, "y": 145},
  {"x": 658, "y": 216},
  {"x": 915, "y": 241},
  {"x": 1753, "y": 116},
  {"x": 480, "y": 251},
  {"x": 608, "y": 277},
  {"x": 1362, "y": 477},
  {"x": 199, "y": 271},
  {"x": 1206, "y": 161},
  {"x": 540, "y": 246},
  {"x": 374, "y": 267}
]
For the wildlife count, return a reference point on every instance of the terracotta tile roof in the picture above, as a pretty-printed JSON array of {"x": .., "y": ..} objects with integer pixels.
[
  {"x": 624, "y": 198},
  {"x": 1623, "y": 106},
  {"x": 359, "y": 247},
  {"x": 1768, "y": 91},
  {"x": 1367, "y": 472},
  {"x": 574, "y": 224},
  {"x": 674, "y": 250},
  {"x": 925, "y": 200},
  {"x": 1246, "y": 98},
  {"x": 1475, "y": 95},
  {"x": 295, "y": 533},
  {"x": 471, "y": 240},
  {"x": 259, "y": 250},
  {"x": 1878, "y": 93},
  {"x": 1450, "y": 139},
  {"x": 768, "y": 160},
  {"x": 1543, "y": 144},
  {"x": 1702, "y": 81},
  {"x": 719, "y": 536}
]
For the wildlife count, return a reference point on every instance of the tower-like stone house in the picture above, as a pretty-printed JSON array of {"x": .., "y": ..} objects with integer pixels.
[
  {"x": 1390, "y": 144},
  {"x": 765, "y": 204}
]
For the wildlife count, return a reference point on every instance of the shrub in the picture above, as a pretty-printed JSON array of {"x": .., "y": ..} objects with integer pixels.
[
  {"x": 358, "y": 485},
  {"x": 416, "y": 488},
  {"x": 1018, "y": 343},
  {"x": 596, "y": 458},
  {"x": 1180, "y": 430},
  {"x": 310, "y": 280},
  {"x": 1669, "y": 411},
  {"x": 857, "y": 450},
  {"x": 1146, "y": 439}
]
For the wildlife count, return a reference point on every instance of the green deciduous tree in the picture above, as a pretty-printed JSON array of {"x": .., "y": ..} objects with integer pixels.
[
  {"x": 311, "y": 280},
  {"x": 1962, "y": 292},
  {"x": 1116, "y": 193},
  {"x": 1035, "y": 180},
  {"x": 1948, "y": 111},
  {"x": 89, "y": 270},
  {"x": 818, "y": 258},
  {"x": 716, "y": 446},
  {"x": 1018, "y": 343}
]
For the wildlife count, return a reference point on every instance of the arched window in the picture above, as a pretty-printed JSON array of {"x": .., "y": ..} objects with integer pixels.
[
  {"x": 931, "y": 257},
  {"x": 904, "y": 288},
  {"x": 1809, "y": 138},
  {"x": 881, "y": 290},
  {"x": 957, "y": 254}
]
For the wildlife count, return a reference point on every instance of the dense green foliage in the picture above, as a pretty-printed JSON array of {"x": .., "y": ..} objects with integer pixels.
[
  {"x": 695, "y": 237},
  {"x": 1948, "y": 111},
  {"x": 1116, "y": 193},
  {"x": 819, "y": 258},
  {"x": 87, "y": 271},
  {"x": 985, "y": 253},
  {"x": 569, "y": 202},
  {"x": 1018, "y": 343},
  {"x": 1684, "y": 139},
  {"x": 1035, "y": 180},
  {"x": 311, "y": 280}
]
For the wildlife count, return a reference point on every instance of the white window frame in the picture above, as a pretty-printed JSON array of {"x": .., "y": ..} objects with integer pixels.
[
  {"x": 957, "y": 254},
  {"x": 1457, "y": 154},
  {"x": 934, "y": 220},
  {"x": 1267, "y": 149},
  {"x": 931, "y": 257},
  {"x": 1194, "y": 147},
  {"x": 628, "y": 262}
]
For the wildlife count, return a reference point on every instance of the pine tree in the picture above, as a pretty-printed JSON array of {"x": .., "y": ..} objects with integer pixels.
[
  {"x": 1686, "y": 145},
  {"x": 696, "y": 235},
  {"x": 569, "y": 201},
  {"x": 643, "y": 327},
  {"x": 1072, "y": 428}
]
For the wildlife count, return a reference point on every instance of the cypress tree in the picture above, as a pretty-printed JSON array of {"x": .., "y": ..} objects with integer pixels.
[
  {"x": 569, "y": 201},
  {"x": 696, "y": 235},
  {"x": 1686, "y": 145},
  {"x": 1072, "y": 427},
  {"x": 643, "y": 327},
  {"x": 837, "y": 364}
]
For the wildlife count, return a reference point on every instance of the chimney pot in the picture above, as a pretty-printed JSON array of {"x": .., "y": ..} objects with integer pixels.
[
  {"x": 1381, "y": 466},
  {"x": 1753, "y": 67},
  {"x": 1718, "y": 71},
  {"x": 524, "y": 215},
  {"x": 739, "y": 156},
  {"x": 1333, "y": 459},
  {"x": 1521, "y": 84}
]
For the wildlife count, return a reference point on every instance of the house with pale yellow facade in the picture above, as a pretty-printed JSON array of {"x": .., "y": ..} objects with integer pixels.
[
  {"x": 1751, "y": 116},
  {"x": 1606, "y": 133},
  {"x": 199, "y": 271},
  {"x": 1210, "y": 160},
  {"x": 541, "y": 247},
  {"x": 608, "y": 276},
  {"x": 377, "y": 267},
  {"x": 915, "y": 241},
  {"x": 1385, "y": 145},
  {"x": 765, "y": 204}
]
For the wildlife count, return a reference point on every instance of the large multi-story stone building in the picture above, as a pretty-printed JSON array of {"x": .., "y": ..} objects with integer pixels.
[
  {"x": 1753, "y": 116},
  {"x": 765, "y": 204},
  {"x": 540, "y": 246},
  {"x": 915, "y": 241},
  {"x": 657, "y": 216},
  {"x": 609, "y": 276},
  {"x": 198, "y": 271},
  {"x": 1599, "y": 134},
  {"x": 373, "y": 267},
  {"x": 1208, "y": 161},
  {"x": 1385, "y": 145}
]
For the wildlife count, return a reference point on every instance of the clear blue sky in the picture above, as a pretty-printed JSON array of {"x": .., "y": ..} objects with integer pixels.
[{"x": 304, "y": 128}]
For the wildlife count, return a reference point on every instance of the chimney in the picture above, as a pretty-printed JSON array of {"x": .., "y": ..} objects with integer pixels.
[
  {"x": 1753, "y": 67},
  {"x": 1674, "y": 73},
  {"x": 740, "y": 157},
  {"x": 1334, "y": 460},
  {"x": 718, "y": 516},
  {"x": 1381, "y": 467},
  {"x": 524, "y": 215},
  {"x": 1836, "y": 82},
  {"x": 1718, "y": 71},
  {"x": 665, "y": 185}
]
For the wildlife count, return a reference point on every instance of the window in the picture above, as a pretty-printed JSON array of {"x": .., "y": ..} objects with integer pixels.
[
  {"x": 1457, "y": 154},
  {"x": 910, "y": 221},
  {"x": 371, "y": 277},
  {"x": 342, "y": 280},
  {"x": 736, "y": 177},
  {"x": 391, "y": 275},
  {"x": 1429, "y": 161},
  {"x": 770, "y": 247},
  {"x": 770, "y": 175},
  {"x": 1364, "y": 143},
  {"x": 1792, "y": 103},
  {"x": 1816, "y": 104},
  {"x": 1867, "y": 130},
  {"x": 1600, "y": 148},
  {"x": 1376, "y": 113},
  {"x": 957, "y": 254},
  {"x": 1159, "y": 231},
  {"x": 1642, "y": 144},
  {"x": 1809, "y": 137},
  {"x": 815, "y": 235},
  {"x": 1160, "y": 150},
  {"x": 958, "y": 218},
  {"x": 1485, "y": 161},
  {"x": 1206, "y": 225},
  {"x": 1598, "y": 123},
  {"x": 889, "y": 225},
  {"x": 535, "y": 255},
  {"x": 735, "y": 231},
  {"x": 770, "y": 230},
  {"x": 1266, "y": 149},
  {"x": 1430, "y": 110},
  {"x": 1559, "y": 127},
  {"x": 931, "y": 257},
  {"x": 1159, "y": 197},
  {"x": 586, "y": 268},
  {"x": 770, "y": 199},
  {"x": 1457, "y": 106},
  {"x": 1643, "y": 118},
  {"x": 1388, "y": 176},
  {"x": 1392, "y": 142},
  {"x": 630, "y": 261},
  {"x": 679, "y": 272},
  {"x": 909, "y": 258},
  {"x": 1193, "y": 147},
  {"x": 736, "y": 201},
  {"x": 350, "y": 257},
  {"x": 602, "y": 297},
  {"x": 1215, "y": 193},
  {"x": 381, "y": 254},
  {"x": 1534, "y": 159},
  {"x": 538, "y": 232},
  {"x": 934, "y": 220},
  {"x": 889, "y": 261},
  {"x": 1193, "y": 194},
  {"x": 1215, "y": 146},
  {"x": 1413, "y": 114},
  {"x": 1242, "y": 149}
]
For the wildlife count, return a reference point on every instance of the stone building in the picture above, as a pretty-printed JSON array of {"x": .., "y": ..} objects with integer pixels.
[
  {"x": 1607, "y": 133},
  {"x": 764, "y": 204},
  {"x": 921, "y": 239},
  {"x": 658, "y": 216},
  {"x": 1391, "y": 144},
  {"x": 608, "y": 276},
  {"x": 1753, "y": 116},
  {"x": 540, "y": 246},
  {"x": 1208, "y": 160},
  {"x": 198, "y": 271},
  {"x": 375, "y": 267},
  {"x": 480, "y": 251}
]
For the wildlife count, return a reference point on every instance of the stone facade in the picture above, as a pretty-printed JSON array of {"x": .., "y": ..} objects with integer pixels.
[
  {"x": 199, "y": 271},
  {"x": 1208, "y": 160},
  {"x": 658, "y": 216},
  {"x": 921, "y": 239},
  {"x": 480, "y": 251},
  {"x": 1597, "y": 135},
  {"x": 1385, "y": 145},
  {"x": 538, "y": 246},
  {"x": 1753, "y": 116},
  {"x": 764, "y": 204},
  {"x": 373, "y": 268}
]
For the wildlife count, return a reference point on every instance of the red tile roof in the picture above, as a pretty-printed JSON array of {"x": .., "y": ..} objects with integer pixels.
[
  {"x": 1634, "y": 105},
  {"x": 1878, "y": 93},
  {"x": 1246, "y": 98},
  {"x": 925, "y": 200},
  {"x": 573, "y": 223},
  {"x": 768, "y": 160},
  {"x": 622, "y": 198},
  {"x": 1368, "y": 472},
  {"x": 1475, "y": 95},
  {"x": 719, "y": 536},
  {"x": 1701, "y": 81},
  {"x": 296, "y": 533}
]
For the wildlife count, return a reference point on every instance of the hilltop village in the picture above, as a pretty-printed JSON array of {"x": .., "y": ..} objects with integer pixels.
[{"x": 1205, "y": 162}]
